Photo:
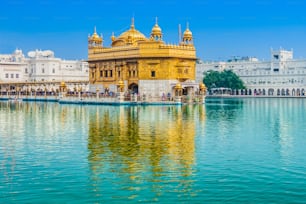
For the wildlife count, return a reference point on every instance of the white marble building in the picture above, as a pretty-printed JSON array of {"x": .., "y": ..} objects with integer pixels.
[
  {"x": 40, "y": 66},
  {"x": 43, "y": 66},
  {"x": 282, "y": 75},
  {"x": 12, "y": 67}
]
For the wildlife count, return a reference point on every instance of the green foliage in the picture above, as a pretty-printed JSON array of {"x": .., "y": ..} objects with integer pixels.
[{"x": 226, "y": 79}]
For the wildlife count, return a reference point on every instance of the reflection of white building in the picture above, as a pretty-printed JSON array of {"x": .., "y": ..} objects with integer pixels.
[
  {"x": 281, "y": 76},
  {"x": 40, "y": 66}
]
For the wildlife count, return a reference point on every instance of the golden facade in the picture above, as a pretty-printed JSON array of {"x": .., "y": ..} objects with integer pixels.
[{"x": 136, "y": 61}]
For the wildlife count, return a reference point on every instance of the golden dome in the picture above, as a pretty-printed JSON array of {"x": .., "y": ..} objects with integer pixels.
[
  {"x": 187, "y": 33},
  {"x": 95, "y": 37},
  {"x": 156, "y": 33},
  {"x": 132, "y": 33},
  {"x": 187, "y": 36},
  {"x": 178, "y": 86},
  {"x": 156, "y": 30},
  {"x": 202, "y": 86},
  {"x": 130, "y": 36},
  {"x": 121, "y": 83},
  {"x": 63, "y": 84}
]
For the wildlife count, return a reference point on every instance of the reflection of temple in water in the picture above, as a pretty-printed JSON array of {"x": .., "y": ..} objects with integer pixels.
[{"x": 133, "y": 140}]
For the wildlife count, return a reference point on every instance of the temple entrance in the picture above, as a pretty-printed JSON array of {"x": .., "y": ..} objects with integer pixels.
[{"x": 133, "y": 88}]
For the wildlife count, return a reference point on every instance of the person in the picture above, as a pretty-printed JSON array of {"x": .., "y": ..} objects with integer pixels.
[{"x": 169, "y": 96}]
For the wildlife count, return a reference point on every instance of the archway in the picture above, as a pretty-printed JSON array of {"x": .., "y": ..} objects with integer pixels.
[
  {"x": 270, "y": 92},
  {"x": 283, "y": 92},
  {"x": 133, "y": 88},
  {"x": 298, "y": 92},
  {"x": 293, "y": 92}
]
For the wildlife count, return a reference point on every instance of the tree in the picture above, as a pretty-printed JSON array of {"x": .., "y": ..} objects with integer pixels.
[{"x": 226, "y": 79}]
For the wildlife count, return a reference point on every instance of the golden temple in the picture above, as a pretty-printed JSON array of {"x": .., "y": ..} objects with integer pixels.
[{"x": 142, "y": 65}]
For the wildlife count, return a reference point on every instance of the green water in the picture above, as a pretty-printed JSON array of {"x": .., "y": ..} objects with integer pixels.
[{"x": 226, "y": 151}]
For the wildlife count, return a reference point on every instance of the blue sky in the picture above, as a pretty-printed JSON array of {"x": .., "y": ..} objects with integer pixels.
[{"x": 221, "y": 29}]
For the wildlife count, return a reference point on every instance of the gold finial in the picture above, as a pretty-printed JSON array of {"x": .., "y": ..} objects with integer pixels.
[
  {"x": 156, "y": 20},
  {"x": 113, "y": 36},
  {"x": 187, "y": 25},
  {"x": 132, "y": 24},
  {"x": 95, "y": 29}
]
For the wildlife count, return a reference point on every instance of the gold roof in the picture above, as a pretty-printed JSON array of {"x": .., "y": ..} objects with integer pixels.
[
  {"x": 130, "y": 36},
  {"x": 133, "y": 33}
]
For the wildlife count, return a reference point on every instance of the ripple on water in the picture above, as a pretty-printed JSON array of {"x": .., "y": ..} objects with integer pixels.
[{"x": 227, "y": 151}]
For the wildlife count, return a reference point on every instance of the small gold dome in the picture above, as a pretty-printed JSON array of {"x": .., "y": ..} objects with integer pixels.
[
  {"x": 63, "y": 84},
  {"x": 187, "y": 36},
  {"x": 120, "y": 83},
  {"x": 187, "y": 33},
  {"x": 202, "y": 86},
  {"x": 156, "y": 30},
  {"x": 178, "y": 86},
  {"x": 156, "y": 33},
  {"x": 95, "y": 37}
]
